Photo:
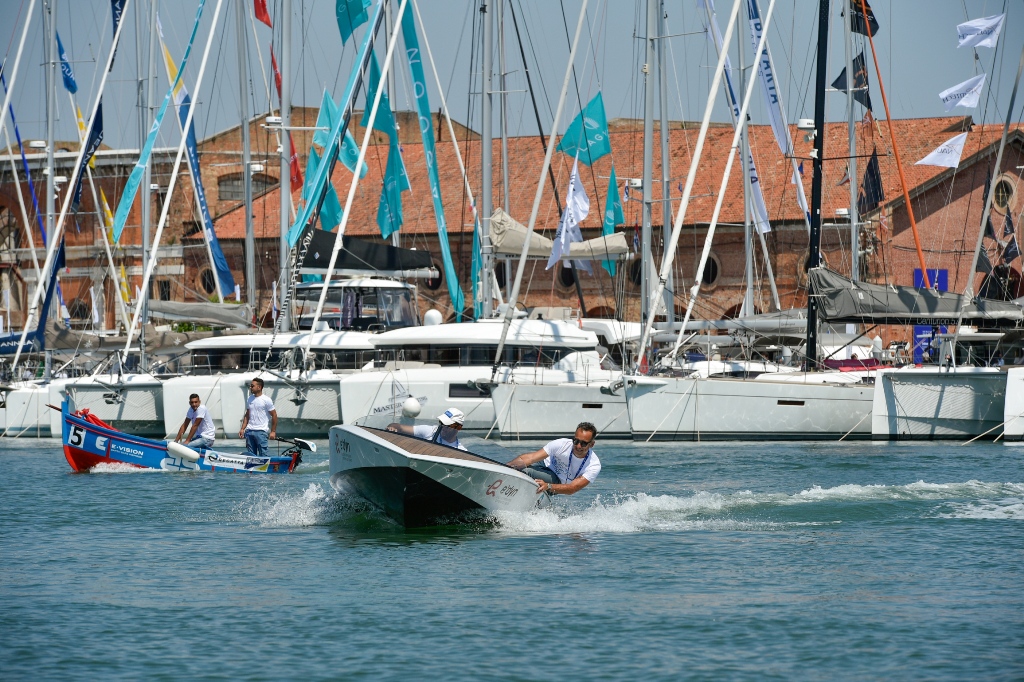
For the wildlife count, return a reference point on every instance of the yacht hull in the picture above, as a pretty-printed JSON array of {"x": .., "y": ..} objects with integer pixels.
[
  {"x": 933, "y": 404},
  {"x": 528, "y": 411},
  {"x": 746, "y": 410},
  {"x": 131, "y": 403}
]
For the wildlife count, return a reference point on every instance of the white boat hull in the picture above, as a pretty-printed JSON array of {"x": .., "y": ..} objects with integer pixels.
[
  {"x": 306, "y": 406},
  {"x": 25, "y": 414},
  {"x": 738, "y": 409},
  {"x": 1013, "y": 409},
  {"x": 133, "y": 403},
  {"x": 531, "y": 412},
  {"x": 932, "y": 404},
  {"x": 418, "y": 483}
]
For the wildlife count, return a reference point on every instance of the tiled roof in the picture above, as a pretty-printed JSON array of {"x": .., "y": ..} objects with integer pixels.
[{"x": 916, "y": 137}]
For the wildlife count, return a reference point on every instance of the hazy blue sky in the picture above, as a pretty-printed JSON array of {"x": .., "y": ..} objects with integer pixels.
[{"x": 916, "y": 43}]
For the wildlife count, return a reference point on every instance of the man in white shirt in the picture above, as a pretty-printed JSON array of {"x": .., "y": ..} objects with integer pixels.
[
  {"x": 260, "y": 417},
  {"x": 567, "y": 465},
  {"x": 449, "y": 423},
  {"x": 203, "y": 432}
]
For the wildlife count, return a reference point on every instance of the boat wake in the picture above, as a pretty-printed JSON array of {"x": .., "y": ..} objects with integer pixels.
[
  {"x": 313, "y": 506},
  {"x": 750, "y": 511}
]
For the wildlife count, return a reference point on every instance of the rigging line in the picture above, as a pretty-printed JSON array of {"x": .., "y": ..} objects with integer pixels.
[{"x": 469, "y": 149}]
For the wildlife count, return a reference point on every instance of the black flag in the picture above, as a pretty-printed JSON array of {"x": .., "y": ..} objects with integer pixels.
[
  {"x": 870, "y": 194},
  {"x": 857, "y": 24},
  {"x": 860, "y": 82},
  {"x": 93, "y": 143},
  {"x": 984, "y": 265},
  {"x": 116, "y": 10},
  {"x": 1012, "y": 250}
]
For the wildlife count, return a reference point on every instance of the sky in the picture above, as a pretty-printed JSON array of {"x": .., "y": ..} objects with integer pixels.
[{"x": 916, "y": 45}]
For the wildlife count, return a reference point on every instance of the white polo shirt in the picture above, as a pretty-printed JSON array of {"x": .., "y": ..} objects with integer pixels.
[
  {"x": 206, "y": 428},
  {"x": 259, "y": 413},
  {"x": 566, "y": 465}
]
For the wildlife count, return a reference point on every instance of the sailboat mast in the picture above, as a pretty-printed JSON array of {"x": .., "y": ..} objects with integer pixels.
[
  {"x": 146, "y": 197},
  {"x": 486, "y": 162},
  {"x": 747, "y": 307},
  {"x": 666, "y": 160},
  {"x": 243, "y": 108},
  {"x": 645, "y": 224},
  {"x": 51, "y": 110},
  {"x": 851, "y": 133},
  {"x": 814, "y": 259},
  {"x": 286, "y": 159}
]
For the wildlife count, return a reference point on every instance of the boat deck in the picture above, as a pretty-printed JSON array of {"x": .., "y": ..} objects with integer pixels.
[{"x": 418, "y": 446}]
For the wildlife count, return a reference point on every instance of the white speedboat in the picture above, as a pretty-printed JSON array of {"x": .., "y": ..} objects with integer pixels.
[{"x": 419, "y": 483}]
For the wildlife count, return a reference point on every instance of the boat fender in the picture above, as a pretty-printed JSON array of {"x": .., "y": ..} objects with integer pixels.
[
  {"x": 411, "y": 408},
  {"x": 182, "y": 451}
]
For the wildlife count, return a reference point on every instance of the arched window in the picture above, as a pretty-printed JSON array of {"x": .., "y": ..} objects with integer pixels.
[
  {"x": 1003, "y": 194},
  {"x": 231, "y": 187}
]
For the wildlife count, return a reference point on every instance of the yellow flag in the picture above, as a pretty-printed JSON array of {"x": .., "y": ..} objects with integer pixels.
[
  {"x": 81, "y": 135},
  {"x": 108, "y": 217},
  {"x": 124, "y": 287}
]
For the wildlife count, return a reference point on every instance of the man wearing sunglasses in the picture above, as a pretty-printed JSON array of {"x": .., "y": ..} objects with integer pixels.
[{"x": 564, "y": 466}]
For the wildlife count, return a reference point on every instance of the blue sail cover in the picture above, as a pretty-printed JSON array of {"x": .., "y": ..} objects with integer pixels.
[
  {"x": 131, "y": 187},
  {"x": 419, "y": 86}
]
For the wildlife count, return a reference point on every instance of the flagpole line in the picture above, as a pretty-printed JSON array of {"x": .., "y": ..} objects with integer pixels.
[
  {"x": 895, "y": 149},
  {"x": 737, "y": 134},
  {"x": 99, "y": 214},
  {"x": 21, "y": 204},
  {"x": 35, "y": 300},
  {"x": 691, "y": 177},
  {"x": 367, "y": 134},
  {"x": 165, "y": 211},
  {"x": 514, "y": 295}
]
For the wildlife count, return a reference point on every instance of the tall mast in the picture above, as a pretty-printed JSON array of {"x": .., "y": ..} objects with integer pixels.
[
  {"x": 851, "y": 134},
  {"x": 243, "y": 107},
  {"x": 486, "y": 162},
  {"x": 747, "y": 308},
  {"x": 645, "y": 225},
  {"x": 147, "y": 179},
  {"x": 503, "y": 104},
  {"x": 51, "y": 111},
  {"x": 286, "y": 160},
  {"x": 666, "y": 161},
  {"x": 817, "y": 155}
]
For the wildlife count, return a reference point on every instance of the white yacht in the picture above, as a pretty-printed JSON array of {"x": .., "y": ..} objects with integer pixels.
[{"x": 450, "y": 366}]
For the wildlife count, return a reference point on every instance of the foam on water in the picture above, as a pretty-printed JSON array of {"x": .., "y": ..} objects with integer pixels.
[
  {"x": 314, "y": 506},
  {"x": 121, "y": 468},
  {"x": 1011, "y": 508}
]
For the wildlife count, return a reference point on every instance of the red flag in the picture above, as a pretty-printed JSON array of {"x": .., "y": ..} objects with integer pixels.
[
  {"x": 261, "y": 12},
  {"x": 277, "y": 71},
  {"x": 296, "y": 170}
]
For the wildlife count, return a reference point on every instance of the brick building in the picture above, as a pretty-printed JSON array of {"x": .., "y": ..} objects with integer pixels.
[{"x": 946, "y": 202}]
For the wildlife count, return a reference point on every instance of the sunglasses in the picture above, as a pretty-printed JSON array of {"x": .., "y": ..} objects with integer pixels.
[{"x": 577, "y": 441}]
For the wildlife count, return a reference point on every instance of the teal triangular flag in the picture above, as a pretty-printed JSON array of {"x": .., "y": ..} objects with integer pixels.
[
  {"x": 327, "y": 117},
  {"x": 384, "y": 121},
  {"x": 351, "y": 14},
  {"x": 330, "y": 212},
  {"x": 389, "y": 210},
  {"x": 587, "y": 135},
  {"x": 612, "y": 215}
]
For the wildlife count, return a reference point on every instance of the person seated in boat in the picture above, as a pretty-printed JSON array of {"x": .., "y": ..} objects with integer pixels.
[
  {"x": 260, "y": 417},
  {"x": 449, "y": 423},
  {"x": 203, "y": 432},
  {"x": 564, "y": 466}
]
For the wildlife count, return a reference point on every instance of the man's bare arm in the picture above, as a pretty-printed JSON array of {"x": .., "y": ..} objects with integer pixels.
[{"x": 526, "y": 459}]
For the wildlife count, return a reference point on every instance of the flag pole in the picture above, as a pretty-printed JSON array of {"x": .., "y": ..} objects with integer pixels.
[{"x": 895, "y": 149}]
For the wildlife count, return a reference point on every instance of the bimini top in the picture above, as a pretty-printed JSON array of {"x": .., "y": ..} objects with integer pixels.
[
  {"x": 520, "y": 333},
  {"x": 326, "y": 340},
  {"x": 842, "y": 300}
]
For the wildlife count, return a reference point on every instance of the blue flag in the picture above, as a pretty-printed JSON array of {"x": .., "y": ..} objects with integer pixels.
[
  {"x": 612, "y": 215},
  {"x": 351, "y": 14},
  {"x": 587, "y": 135},
  {"x": 65, "y": 68},
  {"x": 131, "y": 187},
  {"x": 328, "y": 115},
  {"x": 389, "y": 210},
  {"x": 91, "y": 145},
  {"x": 330, "y": 212},
  {"x": 116, "y": 10},
  {"x": 419, "y": 87},
  {"x": 384, "y": 121}
]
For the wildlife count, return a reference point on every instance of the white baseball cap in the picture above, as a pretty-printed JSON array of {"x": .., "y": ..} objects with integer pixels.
[{"x": 451, "y": 416}]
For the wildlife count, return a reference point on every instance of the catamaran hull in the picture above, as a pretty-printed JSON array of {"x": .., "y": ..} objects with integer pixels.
[
  {"x": 933, "y": 404},
  {"x": 132, "y": 403},
  {"x": 746, "y": 410},
  {"x": 306, "y": 407},
  {"x": 417, "y": 489}
]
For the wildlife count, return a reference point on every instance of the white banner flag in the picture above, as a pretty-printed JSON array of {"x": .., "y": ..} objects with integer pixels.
[
  {"x": 577, "y": 207},
  {"x": 947, "y": 155},
  {"x": 965, "y": 94},
  {"x": 95, "y": 310},
  {"x": 980, "y": 32}
]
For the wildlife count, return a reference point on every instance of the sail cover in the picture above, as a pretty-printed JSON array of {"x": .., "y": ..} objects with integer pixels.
[
  {"x": 508, "y": 235},
  {"x": 842, "y": 300},
  {"x": 215, "y": 314},
  {"x": 361, "y": 257}
]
